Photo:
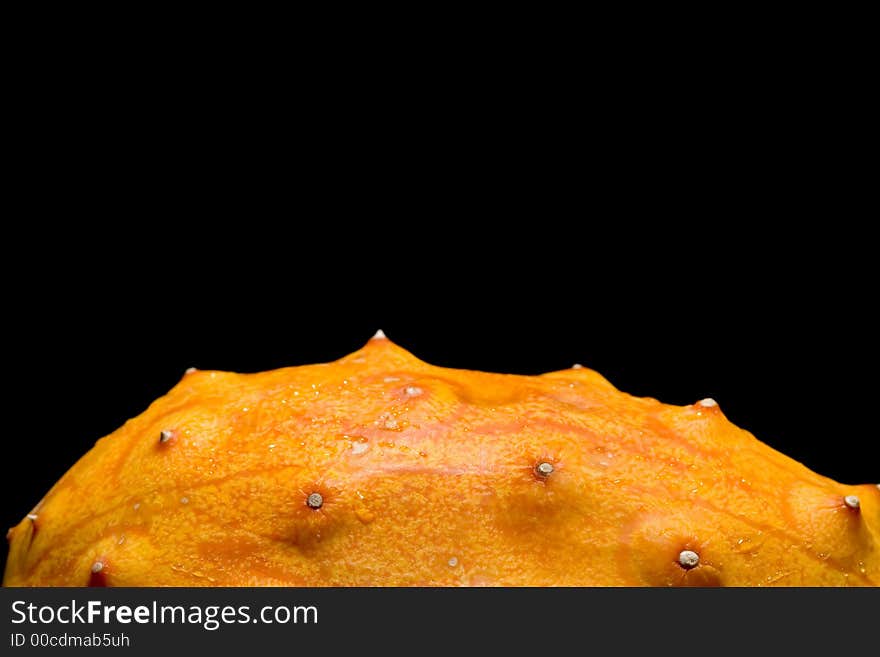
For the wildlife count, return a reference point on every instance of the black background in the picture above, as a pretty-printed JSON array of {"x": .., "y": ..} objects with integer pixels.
[{"x": 713, "y": 252}]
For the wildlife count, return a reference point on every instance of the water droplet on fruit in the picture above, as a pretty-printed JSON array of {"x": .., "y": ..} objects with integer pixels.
[{"x": 388, "y": 421}]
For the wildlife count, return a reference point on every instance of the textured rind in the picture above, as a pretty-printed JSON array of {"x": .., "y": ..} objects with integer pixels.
[{"x": 428, "y": 479}]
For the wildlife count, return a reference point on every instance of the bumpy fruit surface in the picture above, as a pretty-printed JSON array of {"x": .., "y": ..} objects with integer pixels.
[{"x": 379, "y": 469}]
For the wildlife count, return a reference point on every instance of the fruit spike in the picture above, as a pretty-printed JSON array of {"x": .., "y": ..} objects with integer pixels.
[
  {"x": 688, "y": 559},
  {"x": 852, "y": 501},
  {"x": 379, "y": 469},
  {"x": 315, "y": 501}
]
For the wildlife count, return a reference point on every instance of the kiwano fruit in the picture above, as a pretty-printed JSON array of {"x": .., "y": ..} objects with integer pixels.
[{"x": 379, "y": 469}]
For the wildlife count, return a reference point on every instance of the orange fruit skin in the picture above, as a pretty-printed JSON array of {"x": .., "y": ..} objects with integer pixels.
[{"x": 427, "y": 477}]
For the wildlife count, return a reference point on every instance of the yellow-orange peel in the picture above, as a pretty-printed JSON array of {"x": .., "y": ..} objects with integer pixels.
[{"x": 379, "y": 469}]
